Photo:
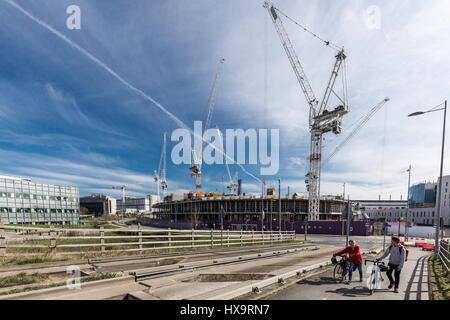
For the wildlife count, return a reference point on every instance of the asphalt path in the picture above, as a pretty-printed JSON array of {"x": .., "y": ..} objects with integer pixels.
[{"x": 414, "y": 284}]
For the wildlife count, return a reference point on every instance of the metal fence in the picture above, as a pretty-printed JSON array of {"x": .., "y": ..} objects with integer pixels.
[
  {"x": 69, "y": 242},
  {"x": 444, "y": 254}
]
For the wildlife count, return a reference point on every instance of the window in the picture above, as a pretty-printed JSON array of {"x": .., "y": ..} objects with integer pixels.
[
  {"x": 11, "y": 195},
  {"x": 3, "y": 195},
  {"x": 26, "y": 196},
  {"x": 3, "y": 210},
  {"x": 39, "y": 197}
]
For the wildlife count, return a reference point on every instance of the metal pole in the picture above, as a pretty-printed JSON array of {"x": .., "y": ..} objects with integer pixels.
[
  {"x": 348, "y": 219},
  {"x": 262, "y": 208},
  {"x": 279, "y": 206},
  {"x": 438, "y": 217},
  {"x": 407, "y": 206},
  {"x": 306, "y": 228}
]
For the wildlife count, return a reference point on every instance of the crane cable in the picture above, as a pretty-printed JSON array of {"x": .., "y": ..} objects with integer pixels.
[{"x": 327, "y": 43}]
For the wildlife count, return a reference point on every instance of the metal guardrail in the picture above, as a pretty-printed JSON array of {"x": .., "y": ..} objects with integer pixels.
[
  {"x": 444, "y": 254},
  {"x": 144, "y": 240}
]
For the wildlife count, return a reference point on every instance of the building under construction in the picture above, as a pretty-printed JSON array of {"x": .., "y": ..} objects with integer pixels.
[{"x": 207, "y": 211}]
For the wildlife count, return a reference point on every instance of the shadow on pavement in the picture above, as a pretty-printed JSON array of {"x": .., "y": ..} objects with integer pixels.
[
  {"x": 358, "y": 291},
  {"x": 319, "y": 281}
]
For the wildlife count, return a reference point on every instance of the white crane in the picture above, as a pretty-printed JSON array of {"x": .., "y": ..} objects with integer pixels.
[
  {"x": 320, "y": 119},
  {"x": 232, "y": 184},
  {"x": 162, "y": 170},
  {"x": 196, "y": 167},
  {"x": 360, "y": 124},
  {"x": 123, "y": 187}
]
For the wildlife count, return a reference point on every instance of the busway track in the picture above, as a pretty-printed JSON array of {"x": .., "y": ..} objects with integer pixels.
[{"x": 159, "y": 271}]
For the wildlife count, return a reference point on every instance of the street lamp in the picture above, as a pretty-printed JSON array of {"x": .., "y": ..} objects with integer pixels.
[
  {"x": 279, "y": 206},
  {"x": 438, "y": 215},
  {"x": 407, "y": 206}
]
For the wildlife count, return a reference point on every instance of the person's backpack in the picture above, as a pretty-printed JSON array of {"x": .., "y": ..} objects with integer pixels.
[{"x": 401, "y": 248}]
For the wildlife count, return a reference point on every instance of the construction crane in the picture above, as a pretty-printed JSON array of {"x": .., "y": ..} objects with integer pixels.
[
  {"x": 162, "y": 170},
  {"x": 360, "y": 124},
  {"x": 196, "y": 167},
  {"x": 320, "y": 119},
  {"x": 232, "y": 184},
  {"x": 123, "y": 187}
]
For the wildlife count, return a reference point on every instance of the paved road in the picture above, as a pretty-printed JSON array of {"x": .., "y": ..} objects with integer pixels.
[
  {"x": 365, "y": 243},
  {"x": 413, "y": 284}
]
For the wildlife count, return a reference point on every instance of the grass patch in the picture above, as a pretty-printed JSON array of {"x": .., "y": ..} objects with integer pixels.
[
  {"x": 102, "y": 276},
  {"x": 440, "y": 280},
  {"x": 32, "y": 260},
  {"x": 33, "y": 288},
  {"x": 21, "y": 279}
]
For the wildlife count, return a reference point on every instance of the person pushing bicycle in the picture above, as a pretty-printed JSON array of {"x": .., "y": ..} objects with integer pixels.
[
  {"x": 397, "y": 257},
  {"x": 355, "y": 257}
]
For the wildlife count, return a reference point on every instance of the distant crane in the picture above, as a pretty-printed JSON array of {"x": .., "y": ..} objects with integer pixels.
[
  {"x": 360, "y": 124},
  {"x": 162, "y": 170},
  {"x": 196, "y": 167},
  {"x": 232, "y": 184},
  {"x": 123, "y": 187},
  {"x": 320, "y": 119}
]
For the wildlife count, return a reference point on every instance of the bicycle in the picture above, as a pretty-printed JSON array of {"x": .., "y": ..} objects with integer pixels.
[
  {"x": 375, "y": 278},
  {"x": 341, "y": 268}
]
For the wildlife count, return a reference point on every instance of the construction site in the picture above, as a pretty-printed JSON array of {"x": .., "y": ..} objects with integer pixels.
[{"x": 267, "y": 211}]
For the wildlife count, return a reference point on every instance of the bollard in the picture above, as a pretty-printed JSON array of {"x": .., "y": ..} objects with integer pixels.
[
  {"x": 253, "y": 237},
  {"x": 102, "y": 238},
  {"x": 192, "y": 238},
  {"x": 2, "y": 241},
  {"x": 140, "y": 239},
  {"x": 262, "y": 235},
  {"x": 228, "y": 238}
]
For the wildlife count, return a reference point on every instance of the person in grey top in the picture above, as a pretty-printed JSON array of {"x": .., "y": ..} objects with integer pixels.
[{"x": 396, "y": 253}]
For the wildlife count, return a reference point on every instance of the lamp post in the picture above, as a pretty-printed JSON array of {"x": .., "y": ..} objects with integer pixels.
[
  {"x": 279, "y": 206},
  {"x": 438, "y": 214},
  {"x": 407, "y": 206}
]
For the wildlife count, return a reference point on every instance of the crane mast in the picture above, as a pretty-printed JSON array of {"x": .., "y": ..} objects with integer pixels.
[
  {"x": 320, "y": 119},
  {"x": 196, "y": 167},
  {"x": 163, "y": 170},
  {"x": 162, "y": 166},
  {"x": 232, "y": 185}
]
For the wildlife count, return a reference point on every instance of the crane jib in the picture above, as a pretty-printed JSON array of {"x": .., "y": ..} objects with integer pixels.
[{"x": 274, "y": 13}]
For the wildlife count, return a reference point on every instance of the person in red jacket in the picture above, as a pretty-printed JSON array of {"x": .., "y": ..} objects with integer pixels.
[{"x": 355, "y": 257}]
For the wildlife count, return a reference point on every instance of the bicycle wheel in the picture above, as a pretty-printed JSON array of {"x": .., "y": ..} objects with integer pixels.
[
  {"x": 339, "y": 273},
  {"x": 372, "y": 282}
]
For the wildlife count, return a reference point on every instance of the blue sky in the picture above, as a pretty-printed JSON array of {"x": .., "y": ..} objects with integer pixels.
[{"x": 65, "y": 120}]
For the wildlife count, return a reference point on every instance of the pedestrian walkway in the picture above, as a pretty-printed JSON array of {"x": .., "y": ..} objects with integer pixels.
[{"x": 414, "y": 284}]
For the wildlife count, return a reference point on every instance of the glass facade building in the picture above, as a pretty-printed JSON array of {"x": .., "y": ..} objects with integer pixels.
[
  {"x": 423, "y": 195},
  {"x": 23, "y": 201}
]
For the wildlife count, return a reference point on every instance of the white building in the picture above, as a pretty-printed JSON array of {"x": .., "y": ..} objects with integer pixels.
[
  {"x": 133, "y": 205},
  {"x": 423, "y": 205}
]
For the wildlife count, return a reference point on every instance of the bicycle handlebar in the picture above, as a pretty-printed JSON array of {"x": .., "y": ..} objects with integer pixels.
[{"x": 374, "y": 261}]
